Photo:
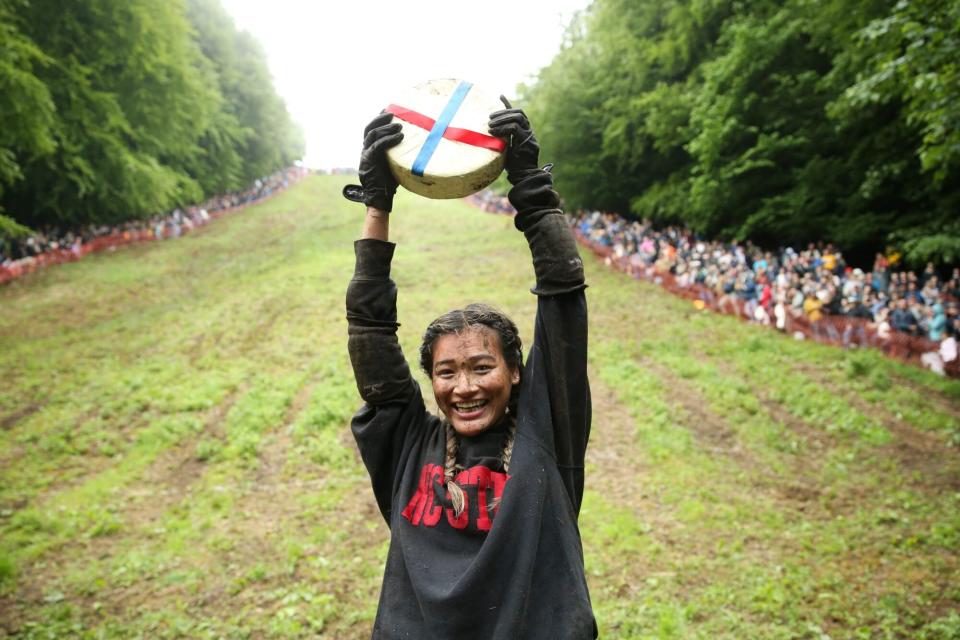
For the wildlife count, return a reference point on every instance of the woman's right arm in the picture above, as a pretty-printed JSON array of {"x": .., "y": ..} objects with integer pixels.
[
  {"x": 385, "y": 427},
  {"x": 392, "y": 398},
  {"x": 379, "y": 366}
]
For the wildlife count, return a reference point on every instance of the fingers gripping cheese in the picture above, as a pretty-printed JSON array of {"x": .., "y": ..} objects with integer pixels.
[{"x": 446, "y": 150}]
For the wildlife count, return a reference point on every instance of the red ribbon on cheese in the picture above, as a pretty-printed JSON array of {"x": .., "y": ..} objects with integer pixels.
[{"x": 466, "y": 136}]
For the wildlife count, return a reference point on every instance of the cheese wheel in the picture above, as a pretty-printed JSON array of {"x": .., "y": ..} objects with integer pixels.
[{"x": 446, "y": 151}]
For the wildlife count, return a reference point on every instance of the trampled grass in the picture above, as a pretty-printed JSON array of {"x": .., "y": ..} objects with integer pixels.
[{"x": 175, "y": 460}]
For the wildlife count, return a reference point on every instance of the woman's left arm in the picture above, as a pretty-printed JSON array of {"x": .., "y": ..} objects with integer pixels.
[
  {"x": 558, "y": 355},
  {"x": 557, "y": 362}
]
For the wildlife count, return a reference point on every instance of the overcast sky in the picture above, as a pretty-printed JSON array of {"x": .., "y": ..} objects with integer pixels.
[{"x": 337, "y": 64}]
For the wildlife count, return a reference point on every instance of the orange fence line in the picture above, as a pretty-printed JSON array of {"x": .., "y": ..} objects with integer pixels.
[{"x": 113, "y": 240}]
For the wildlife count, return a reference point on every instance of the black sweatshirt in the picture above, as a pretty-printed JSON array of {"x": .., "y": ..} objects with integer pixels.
[{"x": 509, "y": 571}]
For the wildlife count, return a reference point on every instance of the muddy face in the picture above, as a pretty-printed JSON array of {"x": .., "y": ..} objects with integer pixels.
[{"x": 471, "y": 380}]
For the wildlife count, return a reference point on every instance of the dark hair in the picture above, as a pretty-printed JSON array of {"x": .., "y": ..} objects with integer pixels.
[{"x": 473, "y": 316}]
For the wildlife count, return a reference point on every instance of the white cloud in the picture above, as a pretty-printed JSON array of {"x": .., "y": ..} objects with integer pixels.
[{"x": 338, "y": 63}]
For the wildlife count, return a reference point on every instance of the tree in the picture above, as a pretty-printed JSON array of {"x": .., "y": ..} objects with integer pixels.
[
  {"x": 26, "y": 107},
  {"x": 262, "y": 134},
  {"x": 113, "y": 109},
  {"x": 780, "y": 122}
]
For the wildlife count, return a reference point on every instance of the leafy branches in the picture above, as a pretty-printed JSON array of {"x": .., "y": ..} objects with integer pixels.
[
  {"x": 118, "y": 109},
  {"x": 781, "y": 122},
  {"x": 911, "y": 56}
]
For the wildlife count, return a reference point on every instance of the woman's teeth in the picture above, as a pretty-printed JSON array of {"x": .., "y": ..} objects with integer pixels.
[{"x": 469, "y": 406}]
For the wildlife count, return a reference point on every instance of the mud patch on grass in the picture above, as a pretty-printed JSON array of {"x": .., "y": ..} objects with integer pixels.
[
  {"x": 815, "y": 439},
  {"x": 165, "y": 482},
  {"x": 273, "y": 456},
  {"x": 710, "y": 429},
  {"x": 275, "y": 551},
  {"x": 944, "y": 402},
  {"x": 612, "y": 439},
  {"x": 617, "y": 471},
  {"x": 926, "y": 457},
  {"x": 799, "y": 493},
  {"x": 180, "y": 467},
  {"x": 258, "y": 334},
  {"x": 7, "y": 422}
]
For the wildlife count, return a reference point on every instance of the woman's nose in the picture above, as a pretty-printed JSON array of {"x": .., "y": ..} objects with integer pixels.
[{"x": 464, "y": 382}]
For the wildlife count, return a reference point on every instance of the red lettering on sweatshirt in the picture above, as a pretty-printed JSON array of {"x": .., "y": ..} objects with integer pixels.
[
  {"x": 461, "y": 521},
  {"x": 425, "y": 509},
  {"x": 422, "y": 500}
]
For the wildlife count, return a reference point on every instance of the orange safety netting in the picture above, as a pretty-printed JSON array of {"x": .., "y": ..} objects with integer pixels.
[{"x": 108, "y": 242}]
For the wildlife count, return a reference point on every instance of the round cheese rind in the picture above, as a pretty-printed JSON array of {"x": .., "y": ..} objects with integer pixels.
[{"x": 455, "y": 169}]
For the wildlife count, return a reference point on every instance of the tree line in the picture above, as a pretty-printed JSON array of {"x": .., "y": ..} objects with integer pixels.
[
  {"x": 775, "y": 121},
  {"x": 119, "y": 109}
]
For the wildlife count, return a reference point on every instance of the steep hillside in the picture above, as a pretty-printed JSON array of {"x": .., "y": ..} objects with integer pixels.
[{"x": 175, "y": 459}]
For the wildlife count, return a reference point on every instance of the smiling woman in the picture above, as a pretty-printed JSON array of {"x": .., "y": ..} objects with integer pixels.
[
  {"x": 471, "y": 381},
  {"x": 482, "y": 501},
  {"x": 473, "y": 357}
]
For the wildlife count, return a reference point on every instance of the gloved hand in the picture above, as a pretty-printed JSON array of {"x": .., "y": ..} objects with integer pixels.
[
  {"x": 377, "y": 184},
  {"x": 523, "y": 151}
]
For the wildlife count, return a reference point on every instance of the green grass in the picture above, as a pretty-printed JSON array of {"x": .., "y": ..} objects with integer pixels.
[{"x": 175, "y": 460}]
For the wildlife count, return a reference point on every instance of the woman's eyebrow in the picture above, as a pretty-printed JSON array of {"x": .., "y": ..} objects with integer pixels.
[{"x": 474, "y": 358}]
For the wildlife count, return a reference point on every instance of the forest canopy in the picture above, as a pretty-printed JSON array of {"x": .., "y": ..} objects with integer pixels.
[
  {"x": 778, "y": 122},
  {"x": 120, "y": 109}
]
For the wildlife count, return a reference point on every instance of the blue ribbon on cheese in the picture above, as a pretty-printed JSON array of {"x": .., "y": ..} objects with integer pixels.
[{"x": 436, "y": 133}]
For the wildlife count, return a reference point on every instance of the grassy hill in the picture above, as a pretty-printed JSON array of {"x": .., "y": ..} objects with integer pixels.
[{"x": 175, "y": 459}]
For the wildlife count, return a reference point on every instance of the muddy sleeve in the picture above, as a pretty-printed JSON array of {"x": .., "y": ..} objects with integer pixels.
[
  {"x": 556, "y": 262},
  {"x": 392, "y": 398},
  {"x": 560, "y": 336},
  {"x": 379, "y": 367}
]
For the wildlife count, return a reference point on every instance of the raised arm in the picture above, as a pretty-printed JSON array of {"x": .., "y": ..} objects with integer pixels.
[
  {"x": 556, "y": 262},
  {"x": 557, "y": 362},
  {"x": 378, "y": 364},
  {"x": 379, "y": 367},
  {"x": 392, "y": 398}
]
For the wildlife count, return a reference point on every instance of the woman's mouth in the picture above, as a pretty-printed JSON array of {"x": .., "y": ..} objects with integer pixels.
[{"x": 470, "y": 410}]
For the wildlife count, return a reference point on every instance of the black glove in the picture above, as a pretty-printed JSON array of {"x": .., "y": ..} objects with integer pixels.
[
  {"x": 377, "y": 184},
  {"x": 523, "y": 151}
]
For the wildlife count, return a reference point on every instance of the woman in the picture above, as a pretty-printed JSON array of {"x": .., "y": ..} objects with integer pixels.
[{"x": 482, "y": 501}]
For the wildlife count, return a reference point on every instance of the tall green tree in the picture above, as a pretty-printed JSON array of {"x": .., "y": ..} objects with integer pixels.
[
  {"x": 904, "y": 63},
  {"x": 781, "y": 122},
  {"x": 129, "y": 108},
  {"x": 26, "y": 107},
  {"x": 120, "y": 109},
  {"x": 263, "y": 136}
]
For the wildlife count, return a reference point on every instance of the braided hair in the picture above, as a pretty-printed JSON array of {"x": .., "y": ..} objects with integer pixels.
[
  {"x": 457, "y": 321},
  {"x": 450, "y": 466}
]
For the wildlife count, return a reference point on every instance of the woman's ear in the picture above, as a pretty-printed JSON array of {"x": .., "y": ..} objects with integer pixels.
[{"x": 515, "y": 376}]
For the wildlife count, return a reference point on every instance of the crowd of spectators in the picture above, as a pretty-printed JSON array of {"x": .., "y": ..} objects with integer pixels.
[
  {"x": 490, "y": 202},
  {"x": 810, "y": 291},
  {"x": 50, "y": 245}
]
